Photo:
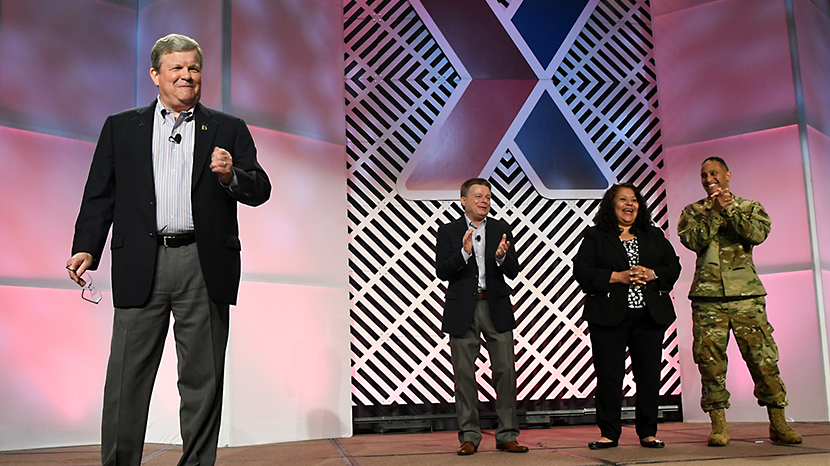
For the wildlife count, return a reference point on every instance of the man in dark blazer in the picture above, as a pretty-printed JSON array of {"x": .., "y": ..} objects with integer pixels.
[
  {"x": 475, "y": 253},
  {"x": 167, "y": 178}
]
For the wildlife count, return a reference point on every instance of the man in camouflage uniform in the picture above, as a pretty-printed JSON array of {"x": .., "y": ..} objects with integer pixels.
[{"x": 726, "y": 293}]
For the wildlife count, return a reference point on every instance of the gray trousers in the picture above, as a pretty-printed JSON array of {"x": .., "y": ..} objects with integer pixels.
[
  {"x": 465, "y": 350},
  {"x": 138, "y": 334}
]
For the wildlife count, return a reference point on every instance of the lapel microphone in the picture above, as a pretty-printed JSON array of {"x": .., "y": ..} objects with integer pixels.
[{"x": 177, "y": 138}]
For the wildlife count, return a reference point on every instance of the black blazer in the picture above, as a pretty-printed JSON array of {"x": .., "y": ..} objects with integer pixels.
[
  {"x": 460, "y": 301},
  {"x": 602, "y": 253},
  {"x": 120, "y": 192}
]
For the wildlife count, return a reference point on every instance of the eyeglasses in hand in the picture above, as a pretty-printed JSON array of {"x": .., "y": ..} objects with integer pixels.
[{"x": 90, "y": 293}]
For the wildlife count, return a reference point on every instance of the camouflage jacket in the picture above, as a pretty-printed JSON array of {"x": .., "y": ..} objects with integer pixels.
[{"x": 723, "y": 244}]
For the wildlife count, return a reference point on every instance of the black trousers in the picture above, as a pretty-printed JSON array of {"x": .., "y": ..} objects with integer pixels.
[{"x": 644, "y": 339}]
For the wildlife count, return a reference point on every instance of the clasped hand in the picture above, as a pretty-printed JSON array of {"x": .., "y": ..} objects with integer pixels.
[
  {"x": 721, "y": 199},
  {"x": 637, "y": 275}
]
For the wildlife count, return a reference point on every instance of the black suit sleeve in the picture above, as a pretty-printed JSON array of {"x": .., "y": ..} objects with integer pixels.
[
  {"x": 254, "y": 188},
  {"x": 449, "y": 262},
  {"x": 592, "y": 275},
  {"x": 95, "y": 217},
  {"x": 510, "y": 265}
]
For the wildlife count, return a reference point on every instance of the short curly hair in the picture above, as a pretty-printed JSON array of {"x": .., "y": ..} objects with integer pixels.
[{"x": 606, "y": 217}]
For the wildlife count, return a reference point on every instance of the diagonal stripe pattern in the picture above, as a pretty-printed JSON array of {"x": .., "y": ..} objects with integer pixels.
[{"x": 397, "y": 80}]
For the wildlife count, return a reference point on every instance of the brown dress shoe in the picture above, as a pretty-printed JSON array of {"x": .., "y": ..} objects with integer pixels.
[
  {"x": 467, "y": 448},
  {"x": 512, "y": 447}
]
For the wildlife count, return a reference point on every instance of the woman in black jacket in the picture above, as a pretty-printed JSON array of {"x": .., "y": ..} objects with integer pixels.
[{"x": 627, "y": 268}]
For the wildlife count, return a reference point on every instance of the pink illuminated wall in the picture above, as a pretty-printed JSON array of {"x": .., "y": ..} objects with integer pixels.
[
  {"x": 64, "y": 67},
  {"x": 731, "y": 74}
]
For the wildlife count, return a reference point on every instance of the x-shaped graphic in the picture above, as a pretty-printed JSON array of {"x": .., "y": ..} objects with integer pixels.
[{"x": 505, "y": 100}]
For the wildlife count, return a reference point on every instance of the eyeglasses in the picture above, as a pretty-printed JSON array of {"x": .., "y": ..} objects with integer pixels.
[{"x": 90, "y": 293}]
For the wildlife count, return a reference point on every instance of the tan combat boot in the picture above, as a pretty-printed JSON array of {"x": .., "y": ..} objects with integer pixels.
[
  {"x": 720, "y": 435},
  {"x": 779, "y": 430}
]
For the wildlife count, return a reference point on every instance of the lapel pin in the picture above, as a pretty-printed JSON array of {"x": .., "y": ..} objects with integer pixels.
[
  {"x": 204, "y": 127},
  {"x": 140, "y": 123}
]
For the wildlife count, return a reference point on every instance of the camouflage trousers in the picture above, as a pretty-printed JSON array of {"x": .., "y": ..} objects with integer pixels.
[{"x": 747, "y": 318}]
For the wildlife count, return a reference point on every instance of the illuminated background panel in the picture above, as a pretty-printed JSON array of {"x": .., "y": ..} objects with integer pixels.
[
  {"x": 823, "y": 5},
  {"x": 780, "y": 261},
  {"x": 286, "y": 57},
  {"x": 662, "y": 7},
  {"x": 736, "y": 81},
  {"x": 286, "y": 345},
  {"x": 294, "y": 240},
  {"x": 820, "y": 171},
  {"x": 53, "y": 353},
  {"x": 812, "y": 26},
  {"x": 723, "y": 69},
  {"x": 64, "y": 64},
  {"x": 791, "y": 310},
  {"x": 763, "y": 165},
  {"x": 306, "y": 216},
  {"x": 39, "y": 222},
  {"x": 162, "y": 17}
]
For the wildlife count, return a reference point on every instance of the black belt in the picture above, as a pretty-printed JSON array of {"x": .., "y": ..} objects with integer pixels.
[
  {"x": 481, "y": 295},
  {"x": 177, "y": 240}
]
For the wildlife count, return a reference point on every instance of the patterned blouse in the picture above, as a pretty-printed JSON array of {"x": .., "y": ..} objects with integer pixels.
[{"x": 635, "y": 292}]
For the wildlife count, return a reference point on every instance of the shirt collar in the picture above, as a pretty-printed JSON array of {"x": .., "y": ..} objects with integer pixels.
[
  {"x": 470, "y": 223},
  {"x": 169, "y": 111}
]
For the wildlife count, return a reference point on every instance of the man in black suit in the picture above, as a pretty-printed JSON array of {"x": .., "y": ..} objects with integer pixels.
[
  {"x": 167, "y": 178},
  {"x": 474, "y": 253}
]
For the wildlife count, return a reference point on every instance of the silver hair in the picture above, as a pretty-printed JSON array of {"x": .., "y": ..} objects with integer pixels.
[{"x": 173, "y": 43}]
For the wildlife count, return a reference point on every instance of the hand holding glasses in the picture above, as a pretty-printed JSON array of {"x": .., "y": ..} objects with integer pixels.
[{"x": 88, "y": 291}]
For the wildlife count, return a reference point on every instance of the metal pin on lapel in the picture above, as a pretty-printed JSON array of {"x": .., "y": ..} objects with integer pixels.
[{"x": 204, "y": 127}]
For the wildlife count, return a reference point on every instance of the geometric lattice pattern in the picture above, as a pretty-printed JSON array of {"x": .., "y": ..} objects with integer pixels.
[{"x": 397, "y": 80}]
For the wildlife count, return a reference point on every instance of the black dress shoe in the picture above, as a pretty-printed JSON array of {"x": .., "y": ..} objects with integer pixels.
[
  {"x": 653, "y": 444},
  {"x": 603, "y": 445}
]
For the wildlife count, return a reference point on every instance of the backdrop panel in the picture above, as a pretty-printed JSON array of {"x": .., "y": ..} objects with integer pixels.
[
  {"x": 724, "y": 69},
  {"x": 66, "y": 65},
  {"x": 161, "y": 17},
  {"x": 812, "y": 26},
  {"x": 286, "y": 72},
  {"x": 79, "y": 61},
  {"x": 754, "y": 75},
  {"x": 405, "y": 67},
  {"x": 289, "y": 373},
  {"x": 54, "y": 347}
]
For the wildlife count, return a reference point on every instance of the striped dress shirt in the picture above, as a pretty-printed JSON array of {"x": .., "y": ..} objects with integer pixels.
[{"x": 173, "y": 170}]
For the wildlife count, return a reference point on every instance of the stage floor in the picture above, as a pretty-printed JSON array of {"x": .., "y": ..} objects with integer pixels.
[{"x": 686, "y": 445}]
